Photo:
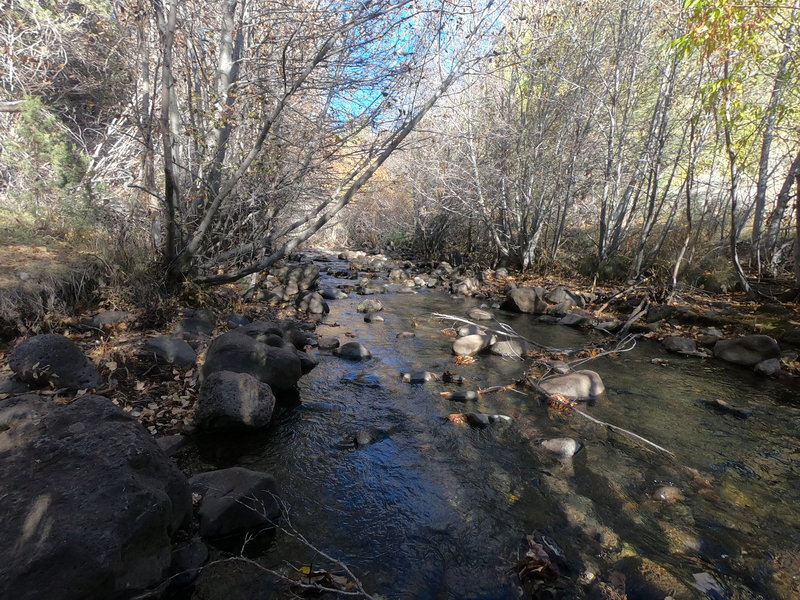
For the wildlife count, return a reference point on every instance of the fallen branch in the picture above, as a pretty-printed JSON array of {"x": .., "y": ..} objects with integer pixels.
[
  {"x": 504, "y": 330},
  {"x": 558, "y": 403}
]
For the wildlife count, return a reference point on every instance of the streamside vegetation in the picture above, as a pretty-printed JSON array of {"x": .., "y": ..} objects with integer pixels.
[{"x": 618, "y": 139}]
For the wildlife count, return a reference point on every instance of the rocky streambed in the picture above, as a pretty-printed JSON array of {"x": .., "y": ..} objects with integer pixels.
[{"x": 423, "y": 470}]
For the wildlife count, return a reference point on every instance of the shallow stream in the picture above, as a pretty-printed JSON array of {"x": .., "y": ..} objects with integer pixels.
[{"x": 432, "y": 509}]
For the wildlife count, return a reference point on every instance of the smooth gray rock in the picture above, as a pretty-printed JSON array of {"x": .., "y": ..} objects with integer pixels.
[
  {"x": 369, "y": 306},
  {"x": 373, "y": 318},
  {"x": 679, "y": 344},
  {"x": 171, "y": 350},
  {"x": 524, "y": 300},
  {"x": 501, "y": 273},
  {"x": 109, "y": 318},
  {"x": 278, "y": 367},
  {"x": 353, "y": 351},
  {"x": 509, "y": 348},
  {"x": 580, "y": 385},
  {"x": 466, "y": 287},
  {"x": 576, "y": 318},
  {"x": 564, "y": 447},
  {"x": 564, "y": 298},
  {"x": 418, "y": 377},
  {"x": 470, "y": 345},
  {"x": 748, "y": 350},
  {"x": 89, "y": 501},
  {"x": 52, "y": 359},
  {"x": 307, "y": 362},
  {"x": 229, "y": 400},
  {"x": 768, "y": 368},
  {"x": 328, "y": 342},
  {"x": 192, "y": 328},
  {"x": 478, "y": 314},
  {"x": 466, "y": 330},
  {"x": 397, "y": 275},
  {"x": 172, "y": 444},
  {"x": 405, "y": 335},
  {"x": 235, "y": 500}
]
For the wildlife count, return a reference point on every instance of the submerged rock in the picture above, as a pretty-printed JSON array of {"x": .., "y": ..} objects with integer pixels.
[
  {"x": 418, "y": 377},
  {"x": 668, "y": 494},
  {"x": 564, "y": 447}
]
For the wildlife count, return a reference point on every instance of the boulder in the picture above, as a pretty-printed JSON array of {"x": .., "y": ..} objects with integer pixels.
[
  {"x": 192, "y": 328},
  {"x": 229, "y": 400},
  {"x": 509, "y": 348},
  {"x": 524, "y": 300},
  {"x": 89, "y": 501},
  {"x": 478, "y": 314},
  {"x": 307, "y": 362},
  {"x": 313, "y": 303},
  {"x": 369, "y": 306},
  {"x": 577, "y": 318},
  {"x": 397, "y": 275},
  {"x": 469, "y": 345},
  {"x": 659, "y": 312},
  {"x": 501, "y": 273},
  {"x": 353, "y": 351},
  {"x": 278, "y": 367},
  {"x": 373, "y": 318},
  {"x": 187, "y": 562},
  {"x": 679, "y": 344},
  {"x": 297, "y": 278},
  {"x": 768, "y": 368},
  {"x": 748, "y": 350},
  {"x": 564, "y": 298},
  {"x": 171, "y": 350},
  {"x": 564, "y": 447},
  {"x": 235, "y": 500},
  {"x": 328, "y": 342},
  {"x": 52, "y": 359},
  {"x": 580, "y": 385}
]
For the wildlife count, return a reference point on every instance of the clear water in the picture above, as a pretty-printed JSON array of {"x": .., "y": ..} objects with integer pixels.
[{"x": 437, "y": 510}]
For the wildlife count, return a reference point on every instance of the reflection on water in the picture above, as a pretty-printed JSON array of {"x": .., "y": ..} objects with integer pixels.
[{"x": 428, "y": 509}]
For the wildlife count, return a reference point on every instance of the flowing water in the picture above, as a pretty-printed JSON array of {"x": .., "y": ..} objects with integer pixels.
[{"x": 432, "y": 509}]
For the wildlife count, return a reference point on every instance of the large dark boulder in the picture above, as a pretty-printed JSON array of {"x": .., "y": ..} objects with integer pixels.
[
  {"x": 235, "y": 500},
  {"x": 278, "y": 367},
  {"x": 230, "y": 400},
  {"x": 748, "y": 350},
  {"x": 53, "y": 359},
  {"x": 525, "y": 300},
  {"x": 89, "y": 501}
]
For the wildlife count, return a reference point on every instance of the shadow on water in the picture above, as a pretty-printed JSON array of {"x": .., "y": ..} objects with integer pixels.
[{"x": 418, "y": 507}]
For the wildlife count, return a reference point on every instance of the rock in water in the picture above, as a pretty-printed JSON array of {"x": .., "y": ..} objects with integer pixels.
[
  {"x": 230, "y": 400},
  {"x": 280, "y": 368},
  {"x": 668, "y": 494},
  {"x": 564, "y": 447},
  {"x": 53, "y": 359},
  {"x": 478, "y": 314},
  {"x": 580, "y": 385},
  {"x": 679, "y": 344},
  {"x": 748, "y": 350},
  {"x": 235, "y": 500},
  {"x": 353, "y": 351},
  {"x": 369, "y": 306},
  {"x": 470, "y": 345},
  {"x": 89, "y": 501},
  {"x": 525, "y": 300}
]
